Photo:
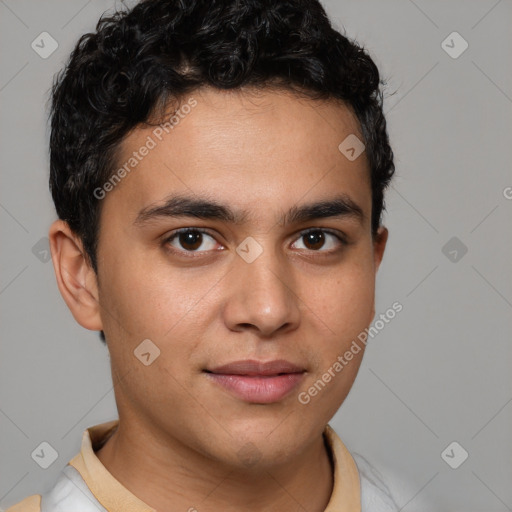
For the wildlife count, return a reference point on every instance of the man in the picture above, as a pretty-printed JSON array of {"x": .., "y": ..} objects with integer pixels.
[{"x": 218, "y": 169}]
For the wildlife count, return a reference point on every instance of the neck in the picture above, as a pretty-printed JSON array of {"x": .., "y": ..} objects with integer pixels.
[{"x": 176, "y": 478}]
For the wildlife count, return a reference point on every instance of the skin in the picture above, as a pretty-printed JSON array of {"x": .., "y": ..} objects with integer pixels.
[{"x": 179, "y": 437}]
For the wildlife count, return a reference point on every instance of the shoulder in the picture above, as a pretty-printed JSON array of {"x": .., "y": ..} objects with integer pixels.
[
  {"x": 70, "y": 492},
  {"x": 30, "y": 504},
  {"x": 375, "y": 494}
]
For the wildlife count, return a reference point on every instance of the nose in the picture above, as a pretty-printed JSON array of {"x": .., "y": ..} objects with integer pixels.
[{"x": 262, "y": 296}]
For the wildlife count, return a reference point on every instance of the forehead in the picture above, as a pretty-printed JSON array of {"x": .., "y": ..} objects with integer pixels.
[{"x": 255, "y": 150}]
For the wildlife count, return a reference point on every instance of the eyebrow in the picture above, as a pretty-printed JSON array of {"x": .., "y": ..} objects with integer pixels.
[{"x": 341, "y": 206}]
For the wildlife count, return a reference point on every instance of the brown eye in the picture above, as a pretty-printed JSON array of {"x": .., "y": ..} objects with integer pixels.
[
  {"x": 190, "y": 240},
  {"x": 314, "y": 239},
  {"x": 320, "y": 240}
]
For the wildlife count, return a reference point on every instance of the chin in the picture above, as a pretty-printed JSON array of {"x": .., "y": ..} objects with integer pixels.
[{"x": 266, "y": 444}]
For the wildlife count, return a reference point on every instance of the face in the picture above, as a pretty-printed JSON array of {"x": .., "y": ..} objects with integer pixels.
[{"x": 269, "y": 281}]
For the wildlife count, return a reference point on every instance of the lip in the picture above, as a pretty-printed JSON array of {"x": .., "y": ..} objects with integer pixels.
[{"x": 257, "y": 381}]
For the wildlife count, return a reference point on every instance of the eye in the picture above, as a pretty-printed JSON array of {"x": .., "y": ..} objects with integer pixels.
[
  {"x": 196, "y": 240},
  {"x": 190, "y": 240},
  {"x": 316, "y": 239}
]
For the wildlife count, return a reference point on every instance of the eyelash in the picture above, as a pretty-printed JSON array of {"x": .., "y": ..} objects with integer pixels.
[{"x": 194, "y": 254}]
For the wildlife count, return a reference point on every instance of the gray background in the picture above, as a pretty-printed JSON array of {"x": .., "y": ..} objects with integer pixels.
[{"x": 439, "y": 372}]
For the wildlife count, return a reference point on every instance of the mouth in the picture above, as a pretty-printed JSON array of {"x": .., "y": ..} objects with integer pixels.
[{"x": 256, "y": 381}]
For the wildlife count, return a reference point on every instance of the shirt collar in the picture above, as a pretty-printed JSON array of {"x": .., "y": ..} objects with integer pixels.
[{"x": 115, "y": 497}]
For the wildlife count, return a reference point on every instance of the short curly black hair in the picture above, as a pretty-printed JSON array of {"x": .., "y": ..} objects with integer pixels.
[{"x": 142, "y": 59}]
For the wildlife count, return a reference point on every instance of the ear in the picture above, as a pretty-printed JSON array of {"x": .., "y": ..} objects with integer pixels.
[
  {"x": 379, "y": 245},
  {"x": 76, "y": 279}
]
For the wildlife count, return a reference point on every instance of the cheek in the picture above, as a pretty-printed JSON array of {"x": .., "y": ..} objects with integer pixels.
[
  {"x": 148, "y": 299},
  {"x": 168, "y": 307},
  {"x": 345, "y": 307},
  {"x": 143, "y": 303},
  {"x": 344, "y": 304},
  {"x": 345, "y": 299}
]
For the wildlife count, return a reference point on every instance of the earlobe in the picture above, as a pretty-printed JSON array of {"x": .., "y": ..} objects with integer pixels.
[{"x": 76, "y": 279}]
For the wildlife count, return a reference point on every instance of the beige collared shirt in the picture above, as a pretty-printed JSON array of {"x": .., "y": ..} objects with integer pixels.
[{"x": 87, "y": 485}]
